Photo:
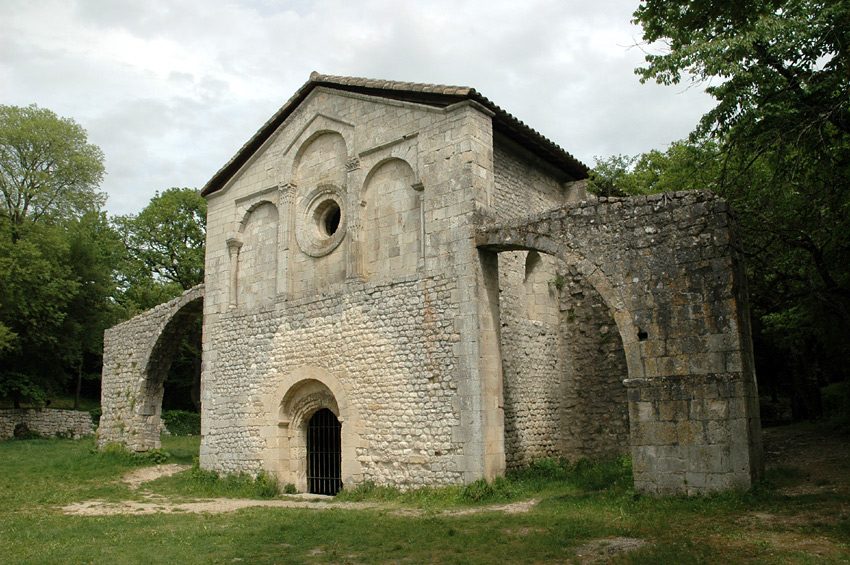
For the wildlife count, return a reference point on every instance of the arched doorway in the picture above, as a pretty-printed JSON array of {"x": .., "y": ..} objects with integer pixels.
[{"x": 324, "y": 453}]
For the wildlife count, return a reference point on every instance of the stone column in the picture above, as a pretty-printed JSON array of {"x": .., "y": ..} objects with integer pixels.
[
  {"x": 354, "y": 263},
  {"x": 420, "y": 189},
  {"x": 233, "y": 246},
  {"x": 287, "y": 212}
]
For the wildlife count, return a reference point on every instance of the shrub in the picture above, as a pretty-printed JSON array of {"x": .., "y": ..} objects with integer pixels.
[
  {"x": 182, "y": 423},
  {"x": 118, "y": 452},
  {"x": 481, "y": 490},
  {"x": 263, "y": 486},
  {"x": 836, "y": 400},
  {"x": 95, "y": 414},
  {"x": 158, "y": 456}
]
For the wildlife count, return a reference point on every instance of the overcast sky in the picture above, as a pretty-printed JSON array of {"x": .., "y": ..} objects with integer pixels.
[{"x": 171, "y": 89}]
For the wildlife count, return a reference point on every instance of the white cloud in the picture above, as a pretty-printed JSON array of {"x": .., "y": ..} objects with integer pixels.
[{"x": 171, "y": 89}]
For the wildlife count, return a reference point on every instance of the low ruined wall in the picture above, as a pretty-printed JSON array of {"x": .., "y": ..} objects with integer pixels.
[{"x": 47, "y": 422}]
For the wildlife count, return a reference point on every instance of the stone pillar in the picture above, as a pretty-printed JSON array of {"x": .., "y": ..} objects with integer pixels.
[
  {"x": 420, "y": 190},
  {"x": 354, "y": 180},
  {"x": 233, "y": 246},
  {"x": 692, "y": 434},
  {"x": 490, "y": 366},
  {"x": 286, "y": 215}
]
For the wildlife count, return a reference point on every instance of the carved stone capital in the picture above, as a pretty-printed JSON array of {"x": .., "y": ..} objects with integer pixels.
[
  {"x": 287, "y": 192},
  {"x": 352, "y": 164}
]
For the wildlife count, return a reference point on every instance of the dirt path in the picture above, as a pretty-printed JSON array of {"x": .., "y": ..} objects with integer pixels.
[
  {"x": 137, "y": 478},
  {"x": 155, "y": 504},
  {"x": 824, "y": 461},
  {"x": 159, "y": 505}
]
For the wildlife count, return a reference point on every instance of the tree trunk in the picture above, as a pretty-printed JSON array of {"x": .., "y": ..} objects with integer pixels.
[
  {"x": 79, "y": 384},
  {"x": 806, "y": 402}
]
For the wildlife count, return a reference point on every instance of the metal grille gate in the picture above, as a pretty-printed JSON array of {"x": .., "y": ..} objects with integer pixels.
[{"x": 324, "y": 453}]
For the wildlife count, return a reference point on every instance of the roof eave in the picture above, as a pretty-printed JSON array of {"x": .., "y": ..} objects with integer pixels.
[{"x": 432, "y": 95}]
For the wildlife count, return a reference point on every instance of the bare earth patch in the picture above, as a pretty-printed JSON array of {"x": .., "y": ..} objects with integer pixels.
[
  {"x": 154, "y": 504},
  {"x": 602, "y": 550},
  {"x": 824, "y": 459},
  {"x": 147, "y": 474}
]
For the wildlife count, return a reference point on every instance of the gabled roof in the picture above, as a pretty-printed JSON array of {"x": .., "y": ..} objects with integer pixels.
[{"x": 428, "y": 94}]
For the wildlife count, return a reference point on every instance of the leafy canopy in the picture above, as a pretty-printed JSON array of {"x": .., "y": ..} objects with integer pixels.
[
  {"x": 777, "y": 60},
  {"x": 57, "y": 254},
  {"x": 48, "y": 170},
  {"x": 777, "y": 145},
  {"x": 165, "y": 244}
]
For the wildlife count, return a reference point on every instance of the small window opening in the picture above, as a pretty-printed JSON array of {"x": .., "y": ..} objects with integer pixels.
[
  {"x": 328, "y": 217},
  {"x": 332, "y": 220},
  {"x": 642, "y": 335}
]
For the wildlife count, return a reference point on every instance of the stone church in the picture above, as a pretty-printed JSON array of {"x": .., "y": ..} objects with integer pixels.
[{"x": 407, "y": 285}]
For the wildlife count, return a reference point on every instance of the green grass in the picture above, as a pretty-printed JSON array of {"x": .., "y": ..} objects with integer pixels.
[{"x": 578, "y": 502}]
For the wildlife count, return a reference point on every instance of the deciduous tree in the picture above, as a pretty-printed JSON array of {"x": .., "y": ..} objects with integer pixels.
[
  {"x": 48, "y": 170},
  {"x": 777, "y": 144},
  {"x": 51, "y": 295}
]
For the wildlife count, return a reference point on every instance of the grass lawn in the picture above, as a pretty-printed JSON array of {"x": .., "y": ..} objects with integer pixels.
[{"x": 797, "y": 516}]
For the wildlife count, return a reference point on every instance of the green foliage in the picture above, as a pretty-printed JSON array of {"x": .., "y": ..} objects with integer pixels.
[
  {"x": 7, "y": 337},
  {"x": 242, "y": 485},
  {"x": 157, "y": 456},
  {"x": 777, "y": 146},
  {"x": 836, "y": 401},
  {"x": 48, "y": 170},
  {"x": 369, "y": 491},
  {"x": 540, "y": 476},
  {"x": 57, "y": 255},
  {"x": 117, "y": 452},
  {"x": 29, "y": 435},
  {"x": 182, "y": 423},
  {"x": 41, "y": 476},
  {"x": 290, "y": 489},
  {"x": 165, "y": 243},
  {"x": 683, "y": 166},
  {"x": 484, "y": 491},
  {"x": 558, "y": 281},
  {"x": 583, "y": 474}
]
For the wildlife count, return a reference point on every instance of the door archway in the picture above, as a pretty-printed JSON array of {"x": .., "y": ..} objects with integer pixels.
[{"x": 324, "y": 453}]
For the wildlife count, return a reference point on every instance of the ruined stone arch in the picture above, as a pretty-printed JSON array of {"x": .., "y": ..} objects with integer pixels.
[
  {"x": 596, "y": 278},
  {"x": 132, "y": 384},
  {"x": 563, "y": 360}
]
